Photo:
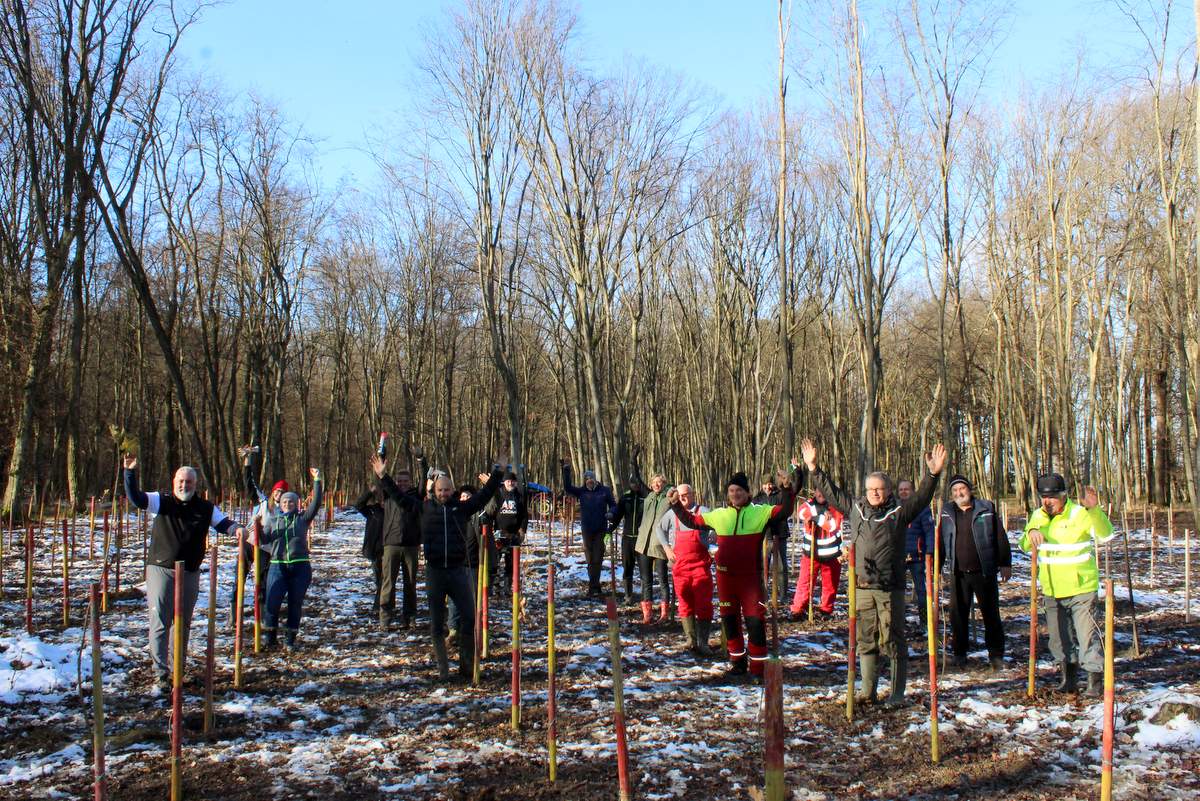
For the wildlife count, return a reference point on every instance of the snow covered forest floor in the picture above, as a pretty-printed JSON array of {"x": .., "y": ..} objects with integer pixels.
[{"x": 357, "y": 713}]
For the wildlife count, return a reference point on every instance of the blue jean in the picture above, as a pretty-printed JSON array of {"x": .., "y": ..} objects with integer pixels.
[{"x": 291, "y": 581}]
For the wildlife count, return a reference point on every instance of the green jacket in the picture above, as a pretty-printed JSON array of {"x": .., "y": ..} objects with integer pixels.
[
  {"x": 654, "y": 506},
  {"x": 1067, "y": 561}
]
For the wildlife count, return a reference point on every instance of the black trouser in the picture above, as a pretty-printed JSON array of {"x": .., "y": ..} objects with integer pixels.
[
  {"x": 779, "y": 565},
  {"x": 629, "y": 563},
  {"x": 377, "y": 574},
  {"x": 264, "y": 564},
  {"x": 593, "y": 551},
  {"x": 976, "y": 586},
  {"x": 453, "y": 583},
  {"x": 648, "y": 566}
]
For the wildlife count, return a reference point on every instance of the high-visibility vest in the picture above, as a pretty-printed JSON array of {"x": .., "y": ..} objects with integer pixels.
[{"x": 1067, "y": 560}]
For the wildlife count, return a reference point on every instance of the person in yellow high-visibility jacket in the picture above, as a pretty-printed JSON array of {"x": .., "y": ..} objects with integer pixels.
[{"x": 1066, "y": 534}]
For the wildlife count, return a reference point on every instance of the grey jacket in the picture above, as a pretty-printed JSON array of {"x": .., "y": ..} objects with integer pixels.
[
  {"x": 878, "y": 533},
  {"x": 285, "y": 536}
]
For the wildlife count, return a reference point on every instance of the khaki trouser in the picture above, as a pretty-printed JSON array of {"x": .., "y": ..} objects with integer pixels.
[{"x": 881, "y": 622}]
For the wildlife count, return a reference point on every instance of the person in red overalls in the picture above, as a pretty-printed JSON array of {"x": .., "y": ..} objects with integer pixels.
[
  {"x": 818, "y": 520},
  {"x": 739, "y": 528},
  {"x": 687, "y": 551}
]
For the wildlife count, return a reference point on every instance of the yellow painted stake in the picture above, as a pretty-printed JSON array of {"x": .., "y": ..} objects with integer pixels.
[
  {"x": 237, "y": 634},
  {"x": 851, "y": 598},
  {"x": 1033, "y": 622},
  {"x": 516, "y": 638},
  {"x": 483, "y": 561},
  {"x": 551, "y": 668},
  {"x": 177, "y": 690},
  {"x": 1106, "y": 767}
]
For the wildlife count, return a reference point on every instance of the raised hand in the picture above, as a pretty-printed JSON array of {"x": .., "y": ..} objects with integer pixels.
[
  {"x": 483, "y": 478},
  {"x": 377, "y": 464},
  {"x": 1091, "y": 498},
  {"x": 315, "y": 473},
  {"x": 129, "y": 461},
  {"x": 936, "y": 459},
  {"x": 672, "y": 496},
  {"x": 809, "y": 451}
]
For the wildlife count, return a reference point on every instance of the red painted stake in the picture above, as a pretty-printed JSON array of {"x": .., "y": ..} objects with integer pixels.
[
  {"x": 104, "y": 574},
  {"x": 66, "y": 577},
  {"x": 29, "y": 579},
  {"x": 177, "y": 688},
  {"x": 614, "y": 640},
  {"x": 92, "y": 529}
]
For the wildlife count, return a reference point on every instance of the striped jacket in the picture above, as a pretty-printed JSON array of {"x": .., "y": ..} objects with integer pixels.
[{"x": 827, "y": 524}]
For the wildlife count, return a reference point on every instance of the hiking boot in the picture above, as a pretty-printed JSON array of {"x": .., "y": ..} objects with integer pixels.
[
  {"x": 899, "y": 682},
  {"x": 439, "y": 655},
  {"x": 996, "y": 664},
  {"x": 289, "y": 637},
  {"x": 738, "y": 667},
  {"x": 272, "y": 637},
  {"x": 689, "y": 634},
  {"x": 703, "y": 627},
  {"x": 1068, "y": 681},
  {"x": 870, "y": 679},
  {"x": 1095, "y": 685}
]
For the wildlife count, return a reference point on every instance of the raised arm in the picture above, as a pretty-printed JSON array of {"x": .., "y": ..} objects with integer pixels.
[
  {"x": 481, "y": 498},
  {"x": 790, "y": 491},
  {"x": 568, "y": 487},
  {"x": 142, "y": 500},
  {"x": 314, "y": 506},
  {"x": 388, "y": 487},
  {"x": 686, "y": 516}
]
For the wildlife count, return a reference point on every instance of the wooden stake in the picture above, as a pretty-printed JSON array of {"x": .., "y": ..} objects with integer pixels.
[
  {"x": 1171, "y": 534},
  {"x": 104, "y": 573},
  {"x": 931, "y": 610},
  {"x": 1033, "y": 621},
  {"x": 257, "y": 587},
  {"x": 776, "y": 786},
  {"x": 210, "y": 649},
  {"x": 66, "y": 573},
  {"x": 177, "y": 689},
  {"x": 1137, "y": 652},
  {"x": 237, "y": 612},
  {"x": 516, "y": 638},
  {"x": 614, "y": 641},
  {"x": 1187, "y": 575},
  {"x": 99, "y": 779},
  {"x": 477, "y": 668},
  {"x": 92, "y": 529},
  {"x": 551, "y": 668},
  {"x": 29, "y": 578},
  {"x": 484, "y": 561},
  {"x": 1107, "y": 746},
  {"x": 851, "y": 634}
]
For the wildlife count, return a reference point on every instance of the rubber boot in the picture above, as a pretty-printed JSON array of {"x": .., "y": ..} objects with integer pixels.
[
  {"x": 1095, "y": 685},
  {"x": 899, "y": 682},
  {"x": 870, "y": 678},
  {"x": 689, "y": 633},
  {"x": 646, "y": 612},
  {"x": 703, "y": 629},
  {"x": 439, "y": 654},
  {"x": 664, "y": 612},
  {"x": 272, "y": 637},
  {"x": 739, "y": 666},
  {"x": 1068, "y": 681},
  {"x": 289, "y": 637}
]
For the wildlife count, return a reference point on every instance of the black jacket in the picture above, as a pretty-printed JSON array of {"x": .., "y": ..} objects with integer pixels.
[
  {"x": 508, "y": 511},
  {"x": 778, "y": 528},
  {"x": 879, "y": 533},
  {"x": 991, "y": 541},
  {"x": 180, "y": 528},
  {"x": 629, "y": 509},
  {"x": 445, "y": 528},
  {"x": 372, "y": 510}
]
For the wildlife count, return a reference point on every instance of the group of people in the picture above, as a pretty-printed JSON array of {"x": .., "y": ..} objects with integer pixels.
[{"x": 675, "y": 542}]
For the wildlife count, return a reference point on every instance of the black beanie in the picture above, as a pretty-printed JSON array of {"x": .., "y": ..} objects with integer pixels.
[
  {"x": 958, "y": 478},
  {"x": 738, "y": 479},
  {"x": 510, "y": 476}
]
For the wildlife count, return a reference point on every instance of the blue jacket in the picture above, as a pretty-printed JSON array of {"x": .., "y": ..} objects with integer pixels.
[
  {"x": 596, "y": 506},
  {"x": 921, "y": 531}
]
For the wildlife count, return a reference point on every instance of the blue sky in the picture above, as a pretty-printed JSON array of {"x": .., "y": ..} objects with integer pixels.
[{"x": 342, "y": 68}]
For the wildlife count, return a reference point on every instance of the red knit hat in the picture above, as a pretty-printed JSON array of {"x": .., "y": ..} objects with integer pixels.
[{"x": 280, "y": 485}]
